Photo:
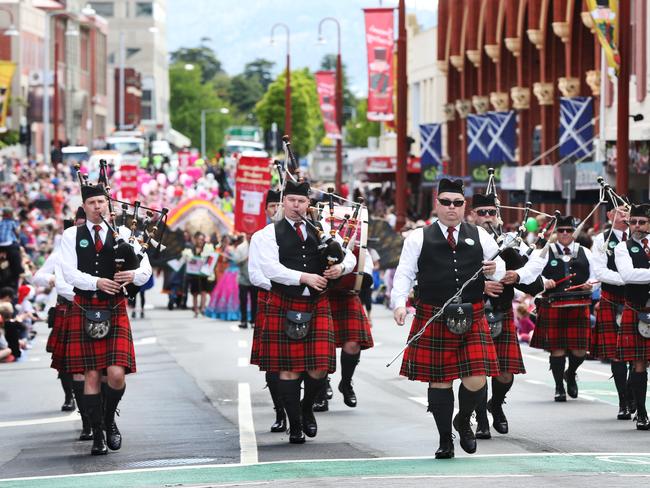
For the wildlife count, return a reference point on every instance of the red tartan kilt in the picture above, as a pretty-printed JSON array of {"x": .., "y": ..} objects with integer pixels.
[
  {"x": 631, "y": 345},
  {"x": 566, "y": 328},
  {"x": 259, "y": 325},
  {"x": 81, "y": 353},
  {"x": 440, "y": 355},
  {"x": 278, "y": 352},
  {"x": 56, "y": 340},
  {"x": 351, "y": 324},
  {"x": 604, "y": 336},
  {"x": 507, "y": 346}
]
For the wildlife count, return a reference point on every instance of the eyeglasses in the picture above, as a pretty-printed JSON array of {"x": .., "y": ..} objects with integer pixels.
[
  {"x": 564, "y": 231},
  {"x": 482, "y": 213},
  {"x": 637, "y": 221},
  {"x": 445, "y": 202}
]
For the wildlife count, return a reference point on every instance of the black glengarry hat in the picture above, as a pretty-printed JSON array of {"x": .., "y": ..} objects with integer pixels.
[
  {"x": 639, "y": 210},
  {"x": 447, "y": 185},
  {"x": 296, "y": 188},
  {"x": 566, "y": 221},
  {"x": 89, "y": 191},
  {"x": 479, "y": 200},
  {"x": 272, "y": 196}
]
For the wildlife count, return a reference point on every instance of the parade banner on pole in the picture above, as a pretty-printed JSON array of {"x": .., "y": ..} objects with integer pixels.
[
  {"x": 7, "y": 69},
  {"x": 431, "y": 152},
  {"x": 605, "y": 16},
  {"x": 576, "y": 126},
  {"x": 129, "y": 181},
  {"x": 478, "y": 139},
  {"x": 503, "y": 137},
  {"x": 252, "y": 181},
  {"x": 326, "y": 87},
  {"x": 379, "y": 43}
]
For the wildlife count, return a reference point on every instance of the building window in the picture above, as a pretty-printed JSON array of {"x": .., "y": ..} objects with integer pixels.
[
  {"x": 105, "y": 9},
  {"x": 144, "y": 9},
  {"x": 147, "y": 104}
]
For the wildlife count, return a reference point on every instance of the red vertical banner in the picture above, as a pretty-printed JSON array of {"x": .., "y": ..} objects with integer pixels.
[
  {"x": 379, "y": 43},
  {"x": 326, "y": 87},
  {"x": 129, "y": 181},
  {"x": 252, "y": 181}
]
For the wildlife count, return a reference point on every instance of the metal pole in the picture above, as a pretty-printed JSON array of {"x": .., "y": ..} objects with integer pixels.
[
  {"x": 121, "y": 87},
  {"x": 203, "y": 134},
  {"x": 602, "y": 145},
  {"x": 287, "y": 97},
  {"x": 623, "y": 101},
  {"x": 46, "y": 91},
  {"x": 339, "y": 121},
  {"x": 402, "y": 83}
]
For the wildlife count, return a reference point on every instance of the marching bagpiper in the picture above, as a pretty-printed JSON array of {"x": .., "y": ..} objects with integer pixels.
[
  {"x": 444, "y": 257},
  {"x": 632, "y": 259},
  {"x": 563, "y": 317}
]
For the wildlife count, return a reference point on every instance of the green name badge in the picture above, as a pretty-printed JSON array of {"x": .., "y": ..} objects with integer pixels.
[
  {"x": 83, "y": 243},
  {"x": 634, "y": 249},
  {"x": 553, "y": 262}
]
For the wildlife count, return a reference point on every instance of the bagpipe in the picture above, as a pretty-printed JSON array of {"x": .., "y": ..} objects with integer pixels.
[{"x": 148, "y": 232}]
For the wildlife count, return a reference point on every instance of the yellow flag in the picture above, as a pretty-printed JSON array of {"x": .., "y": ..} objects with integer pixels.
[
  {"x": 7, "y": 69},
  {"x": 605, "y": 16}
]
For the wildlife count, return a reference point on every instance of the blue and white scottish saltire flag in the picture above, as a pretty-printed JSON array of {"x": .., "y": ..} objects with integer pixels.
[
  {"x": 478, "y": 139},
  {"x": 431, "y": 145},
  {"x": 502, "y": 137},
  {"x": 576, "y": 126}
]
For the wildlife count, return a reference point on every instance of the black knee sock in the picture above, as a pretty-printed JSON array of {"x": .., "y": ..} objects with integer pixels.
[
  {"x": 441, "y": 405},
  {"x": 113, "y": 398},
  {"x": 619, "y": 372},
  {"x": 481, "y": 410},
  {"x": 78, "y": 388},
  {"x": 93, "y": 405},
  {"x": 348, "y": 365},
  {"x": 628, "y": 385},
  {"x": 574, "y": 364},
  {"x": 500, "y": 390},
  {"x": 557, "y": 368},
  {"x": 313, "y": 388},
  {"x": 66, "y": 384},
  {"x": 272, "y": 380},
  {"x": 289, "y": 391},
  {"x": 640, "y": 387},
  {"x": 467, "y": 400}
]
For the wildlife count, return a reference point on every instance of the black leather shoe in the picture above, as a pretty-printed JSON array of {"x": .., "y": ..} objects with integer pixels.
[
  {"x": 560, "y": 395},
  {"x": 86, "y": 430},
  {"x": 243, "y": 325},
  {"x": 571, "y": 384},
  {"x": 483, "y": 431},
  {"x": 642, "y": 422},
  {"x": 349, "y": 397},
  {"x": 296, "y": 438},
  {"x": 499, "y": 420},
  {"x": 446, "y": 448},
  {"x": 328, "y": 390},
  {"x": 321, "y": 405},
  {"x": 113, "y": 437},
  {"x": 465, "y": 434},
  {"x": 309, "y": 426},
  {"x": 280, "y": 424},
  {"x": 623, "y": 413},
  {"x": 68, "y": 405},
  {"x": 99, "y": 444}
]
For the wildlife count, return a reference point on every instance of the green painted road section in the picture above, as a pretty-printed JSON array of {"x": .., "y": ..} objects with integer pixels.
[{"x": 493, "y": 466}]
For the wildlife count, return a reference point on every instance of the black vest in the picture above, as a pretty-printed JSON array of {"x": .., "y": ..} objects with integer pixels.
[
  {"x": 637, "y": 294},
  {"x": 514, "y": 261},
  {"x": 297, "y": 255},
  {"x": 610, "y": 244},
  {"x": 442, "y": 271},
  {"x": 556, "y": 269},
  {"x": 101, "y": 265}
]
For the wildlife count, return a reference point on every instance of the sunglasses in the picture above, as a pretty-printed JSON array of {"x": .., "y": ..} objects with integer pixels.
[
  {"x": 565, "y": 231},
  {"x": 482, "y": 213},
  {"x": 637, "y": 221},
  {"x": 445, "y": 202}
]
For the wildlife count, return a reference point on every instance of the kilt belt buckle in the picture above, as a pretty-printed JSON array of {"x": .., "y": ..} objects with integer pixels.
[
  {"x": 297, "y": 325},
  {"x": 458, "y": 317},
  {"x": 643, "y": 325},
  {"x": 98, "y": 323},
  {"x": 495, "y": 322}
]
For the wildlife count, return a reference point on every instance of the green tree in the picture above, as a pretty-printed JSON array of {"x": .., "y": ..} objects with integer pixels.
[
  {"x": 202, "y": 57},
  {"x": 260, "y": 69},
  {"x": 328, "y": 63},
  {"x": 307, "y": 125},
  {"x": 245, "y": 92},
  {"x": 188, "y": 97},
  {"x": 359, "y": 128}
]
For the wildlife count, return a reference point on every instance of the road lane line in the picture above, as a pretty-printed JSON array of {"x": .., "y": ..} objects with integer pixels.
[
  {"x": 247, "y": 440},
  {"x": 242, "y": 343},
  {"x": 50, "y": 420},
  {"x": 242, "y": 362}
]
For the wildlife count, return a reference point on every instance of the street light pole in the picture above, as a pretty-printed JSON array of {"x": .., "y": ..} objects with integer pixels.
[
  {"x": 623, "y": 105},
  {"x": 339, "y": 101},
  {"x": 121, "y": 83},
  {"x": 402, "y": 83},
  {"x": 287, "y": 85}
]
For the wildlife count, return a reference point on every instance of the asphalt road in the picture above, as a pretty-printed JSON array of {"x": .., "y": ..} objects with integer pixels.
[{"x": 197, "y": 414}]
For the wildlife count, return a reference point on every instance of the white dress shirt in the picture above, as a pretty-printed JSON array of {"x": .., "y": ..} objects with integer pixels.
[
  {"x": 255, "y": 274},
  {"x": 86, "y": 281},
  {"x": 629, "y": 274},
  {"x": 408, "y": 262},
  {"x": 52, "y": 269},
  {"x": 599, "y": 259}
]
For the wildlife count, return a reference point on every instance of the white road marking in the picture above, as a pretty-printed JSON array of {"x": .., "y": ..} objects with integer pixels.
[
  {"x": 145, "y": 341},
  {"x": 247, "y": 440},
  {"x": 242, "y": 362},
  {"x": 535, "y": 382},
  {"x": 34, "y": 360},
  {"x": 433, "y": 476},
  {"x": 234, "y": 328},
  {"x": 242, "y": 343},
  {"x": 421, "y": 400},
  {"x": 50, "y": 420}
]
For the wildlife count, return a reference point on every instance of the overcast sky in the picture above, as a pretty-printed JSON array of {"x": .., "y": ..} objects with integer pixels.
[{"x": 240, "y": 30}]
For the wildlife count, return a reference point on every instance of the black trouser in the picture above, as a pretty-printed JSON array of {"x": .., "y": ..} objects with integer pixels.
[{"x": 244, "y": 293}]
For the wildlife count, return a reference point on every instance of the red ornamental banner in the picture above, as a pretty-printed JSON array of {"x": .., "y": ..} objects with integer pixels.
[
  {"x": 252, "y": 181},
  {"x": 379, "y": 43},
  {"x": 326, "y": 86},
  {"x": 129, "y": 181}
]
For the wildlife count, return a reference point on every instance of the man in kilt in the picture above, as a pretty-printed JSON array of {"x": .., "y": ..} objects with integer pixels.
[
  {"x": 612, "y": 299},
  {"x": 263, "y": 285},
  {"x": 632, "y": 259},
  {"x": 521, "y": 273},
  {"x": 88, "y": 264},
  {"x": 442, "y": 257},
  {"x": 288, "y": 254},
  {"x": 563, "y": 318},
  {"x": 51, "y": 274}
]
